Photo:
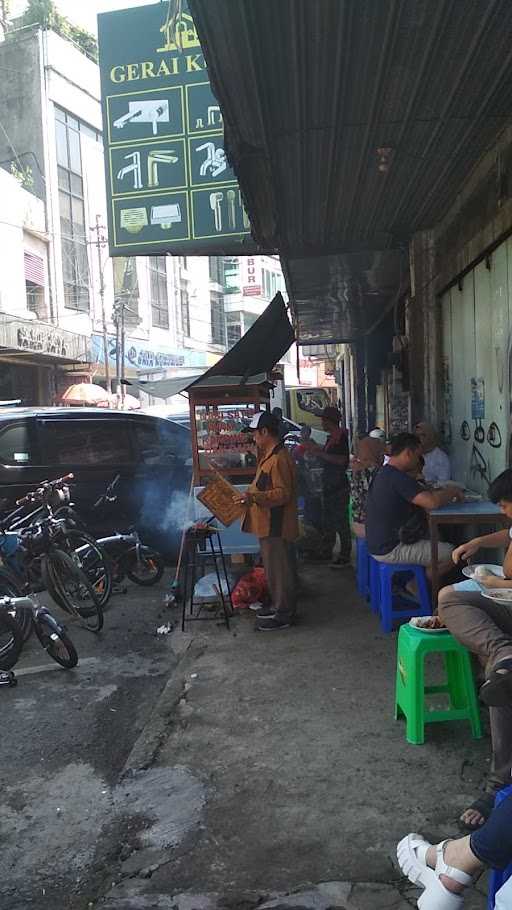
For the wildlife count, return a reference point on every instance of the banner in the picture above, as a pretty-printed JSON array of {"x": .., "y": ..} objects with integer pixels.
[{"x": 169, "y": 185}]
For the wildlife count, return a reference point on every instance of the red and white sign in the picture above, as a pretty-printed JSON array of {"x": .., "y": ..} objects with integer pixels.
[{"x": 250, "y": 273}]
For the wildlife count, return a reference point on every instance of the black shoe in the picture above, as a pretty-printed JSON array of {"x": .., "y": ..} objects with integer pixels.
[
  {"x": 273, "y": 624},
  {"x": 266, "y": 613}
]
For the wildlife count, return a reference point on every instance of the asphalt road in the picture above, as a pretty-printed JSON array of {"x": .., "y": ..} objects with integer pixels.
[{"x": 65, "y": 738}]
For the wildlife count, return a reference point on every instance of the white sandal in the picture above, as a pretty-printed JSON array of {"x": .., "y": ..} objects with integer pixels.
[{"x": 412, "y": 859}]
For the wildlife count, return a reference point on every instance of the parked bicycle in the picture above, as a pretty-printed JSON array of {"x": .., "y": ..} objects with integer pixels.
[
  {"x": 52, "y": 556},
  {"x": 27, "y": 616},
  {"x": 84, "y": 549},
  {"x": 127, "y": 554}
]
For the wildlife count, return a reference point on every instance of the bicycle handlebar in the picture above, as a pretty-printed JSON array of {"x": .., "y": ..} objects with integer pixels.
[{"x": 45, "y": 489}]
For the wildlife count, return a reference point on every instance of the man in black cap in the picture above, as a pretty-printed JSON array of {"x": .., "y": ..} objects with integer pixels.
[
  {"x": 271, "y": 514},
  {"x": 335, "y": 485}
]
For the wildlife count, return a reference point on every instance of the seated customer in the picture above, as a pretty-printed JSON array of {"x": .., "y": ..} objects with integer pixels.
[
  {"x": 369, "y": 457},
  {"x": 485, "y": 628},
  {"x": 437, "y": 464},
  {"x": 392, "y": 503}
]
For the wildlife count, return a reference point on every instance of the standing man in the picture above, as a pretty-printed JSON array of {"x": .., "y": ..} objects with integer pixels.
[
  {"x": 335, "y": 485},
  {"x": 271, "y": 514}
]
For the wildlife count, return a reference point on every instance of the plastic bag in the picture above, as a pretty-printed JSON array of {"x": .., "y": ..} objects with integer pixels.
[
  {"x": 250, "y": 588},
  {"x": 206, "y": 589}
]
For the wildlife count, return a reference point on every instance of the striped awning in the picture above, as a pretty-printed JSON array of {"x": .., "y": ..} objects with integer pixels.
[{"x": 34, "y": 269}]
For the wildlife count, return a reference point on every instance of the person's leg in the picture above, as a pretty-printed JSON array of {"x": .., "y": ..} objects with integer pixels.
[
  {"x": 343, "y": 527},
  {"x": 485, "y": 628},
  {"x": 276, "y": 557},
  {"x": 490, "y": 846},
  {"x": 492, "y": 843}
]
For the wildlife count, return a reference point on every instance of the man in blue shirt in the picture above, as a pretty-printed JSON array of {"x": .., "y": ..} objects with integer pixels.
[{"x": 395, "y": 500}]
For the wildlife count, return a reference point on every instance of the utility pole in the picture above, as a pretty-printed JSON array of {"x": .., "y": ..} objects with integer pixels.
[{"x": 100, "y": 243}]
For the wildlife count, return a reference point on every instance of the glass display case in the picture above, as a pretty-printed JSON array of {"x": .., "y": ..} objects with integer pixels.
[{"x": 218, "y": 415}]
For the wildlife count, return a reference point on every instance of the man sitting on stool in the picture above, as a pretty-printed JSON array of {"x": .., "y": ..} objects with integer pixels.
[
  {"x": 394, "y": 498},
  {"x": 271, "y": 515}
]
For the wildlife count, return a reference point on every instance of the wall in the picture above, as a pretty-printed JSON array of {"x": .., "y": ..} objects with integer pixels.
[
  {"x": 22, "y": 228},
  {"x": 21, "y": 104},
  {"x": 477, "y": 328}
]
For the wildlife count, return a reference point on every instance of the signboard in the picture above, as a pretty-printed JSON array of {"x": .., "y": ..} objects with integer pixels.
[
  {"x": 141, "y": 356},
  {"x": 169, "y": 185},
  {"x": 44, "y": 339},
  {"x": 251, "y": 281}
]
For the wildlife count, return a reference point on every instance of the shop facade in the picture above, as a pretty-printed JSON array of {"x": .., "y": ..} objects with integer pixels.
[{"x": 38, "y": 360}]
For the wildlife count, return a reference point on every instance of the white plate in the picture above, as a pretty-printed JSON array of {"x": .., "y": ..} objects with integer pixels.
[
  {"x": 500, "y": 595},
  {"x": 469, "y": 571},
  {"x": 414, "y": 623}
]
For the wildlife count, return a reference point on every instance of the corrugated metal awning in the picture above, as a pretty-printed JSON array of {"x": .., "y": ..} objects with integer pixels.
[
  {"x": 34, "y": 269},
  {"x": 351, "y": 124}
]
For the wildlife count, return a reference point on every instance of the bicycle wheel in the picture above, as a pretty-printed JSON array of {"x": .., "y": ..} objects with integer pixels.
[
  {"x": 9, "y": 587},
  {"x": 92, "y": 559},
  {"x": 71, "y": 589},
  {"x": 147, "y": 570},
  {"x": 55, "y": 641},
  {"x": 11, "y": 641}
]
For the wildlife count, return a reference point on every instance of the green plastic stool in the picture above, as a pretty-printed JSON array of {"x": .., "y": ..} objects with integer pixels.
[{"x": 413, "y": 646}]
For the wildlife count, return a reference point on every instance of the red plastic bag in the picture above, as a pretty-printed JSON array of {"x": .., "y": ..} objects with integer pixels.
[{"x": 250, "y": 588}]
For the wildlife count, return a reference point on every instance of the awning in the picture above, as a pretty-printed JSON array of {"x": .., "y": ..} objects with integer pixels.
[
  {"x": 248, "y": 362},
  {"x": 339, "y": 298},
  {"x": 352, "y": 125}
]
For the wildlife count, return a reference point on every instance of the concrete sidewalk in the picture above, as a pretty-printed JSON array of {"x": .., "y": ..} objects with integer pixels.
[{"x": 287, "y": 769}]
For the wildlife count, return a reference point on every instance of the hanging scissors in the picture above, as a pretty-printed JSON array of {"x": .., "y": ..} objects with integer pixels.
[
  {"x": 465, "y": 431},
  {"x": 479, "y": 431},
  {"x": 494, "y": 436}
]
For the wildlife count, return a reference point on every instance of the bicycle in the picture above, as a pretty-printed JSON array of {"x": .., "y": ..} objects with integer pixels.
[
  {"x": 11, "y": 641},
  {"x": 50, "y": 633},
  {"x": 127, "y": 555},
  {"x": 44, "y": 558},
  {"x": 85, "y": 551}
]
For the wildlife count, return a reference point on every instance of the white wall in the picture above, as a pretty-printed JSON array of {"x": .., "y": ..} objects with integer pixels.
[{"x": 22, "y": 227}]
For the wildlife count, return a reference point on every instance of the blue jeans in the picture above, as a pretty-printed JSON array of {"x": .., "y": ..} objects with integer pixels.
[{"x": 492, "y": 843}]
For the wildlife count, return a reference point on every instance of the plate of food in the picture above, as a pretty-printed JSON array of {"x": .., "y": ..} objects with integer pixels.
[
  {"x": 499, "y": 595},
  {"x": 479, "y": 571},
  {"x": 427, "y": 624}
]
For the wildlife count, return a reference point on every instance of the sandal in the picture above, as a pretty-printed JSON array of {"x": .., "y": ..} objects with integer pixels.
[
  {"x": 412, "y": 859},
  {"x": 496, "y": 692},
  {"x": 484, "y": 806}
]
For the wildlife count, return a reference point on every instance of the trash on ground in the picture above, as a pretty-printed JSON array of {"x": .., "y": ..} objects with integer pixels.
[{"x": 165, "y": 629}]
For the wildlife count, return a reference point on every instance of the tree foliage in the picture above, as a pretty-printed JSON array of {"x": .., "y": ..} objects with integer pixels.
[{"x": 46, "y": 14}]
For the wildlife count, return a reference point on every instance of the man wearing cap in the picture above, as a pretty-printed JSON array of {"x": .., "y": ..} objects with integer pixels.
[
  {"x": 271, "y": 514},
  {"x": 335, "y": 485}
]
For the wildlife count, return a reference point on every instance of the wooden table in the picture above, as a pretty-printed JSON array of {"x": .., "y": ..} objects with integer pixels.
[{"x": 459, "y": 513}]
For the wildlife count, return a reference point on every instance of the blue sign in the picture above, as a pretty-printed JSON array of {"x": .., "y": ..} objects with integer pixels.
[{"x": 141, "y": 356}]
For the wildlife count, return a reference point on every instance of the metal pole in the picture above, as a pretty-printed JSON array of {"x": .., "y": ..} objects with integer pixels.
[
  {"x": 123, "y": 387},
  {"x": 100, "y": 242},
  {"x": 118, "y": 354}
]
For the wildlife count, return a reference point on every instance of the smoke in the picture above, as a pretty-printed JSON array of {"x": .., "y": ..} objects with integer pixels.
[{"x": 170, "y": 517}]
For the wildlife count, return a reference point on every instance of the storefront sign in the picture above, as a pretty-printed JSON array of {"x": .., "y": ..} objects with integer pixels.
[
  {"x": 169, "y": 184},
  {"x": 46, "y": 340},
  {"x": 251, "y": 277},
  {"x": 140, "y": 356}
]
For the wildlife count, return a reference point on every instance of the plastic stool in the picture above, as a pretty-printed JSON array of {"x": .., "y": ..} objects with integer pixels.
[
  {"x": 413, "y": 646},
  {"x": 388, "y": 613},
  {"x": 362, "y": 567},
  {"x": 498, "y": 877}
]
